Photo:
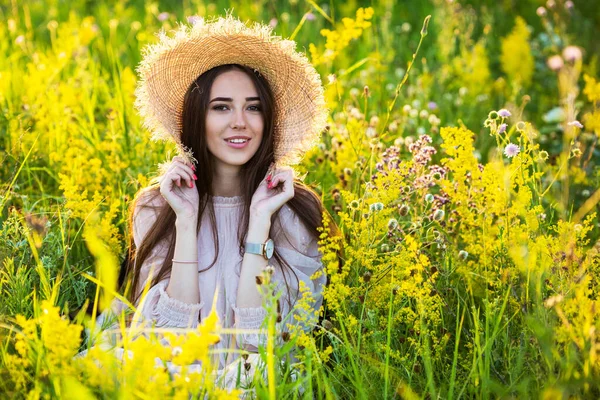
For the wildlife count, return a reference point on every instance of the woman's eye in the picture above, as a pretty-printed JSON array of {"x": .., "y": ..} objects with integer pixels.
[
  {"x": 254, "y": 108},
  {"x": 220, "y": 107}
]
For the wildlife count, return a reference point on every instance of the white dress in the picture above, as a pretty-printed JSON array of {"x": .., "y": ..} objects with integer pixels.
[{"x": 292, "y": 241}]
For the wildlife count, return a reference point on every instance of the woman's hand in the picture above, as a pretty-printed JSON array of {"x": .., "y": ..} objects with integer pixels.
[
  {"x": 272, "y": 193},
  {"x": 178, "y": 188}
]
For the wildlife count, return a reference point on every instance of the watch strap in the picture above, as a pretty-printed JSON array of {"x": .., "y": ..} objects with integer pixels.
[{"x": 254, "y": 248}]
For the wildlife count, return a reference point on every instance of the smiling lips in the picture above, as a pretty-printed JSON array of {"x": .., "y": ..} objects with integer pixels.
[{"x": 237, "y": 142}]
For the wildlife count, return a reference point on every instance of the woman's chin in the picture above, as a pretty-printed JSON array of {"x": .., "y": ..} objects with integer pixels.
[{"x": 234, "y": 161}]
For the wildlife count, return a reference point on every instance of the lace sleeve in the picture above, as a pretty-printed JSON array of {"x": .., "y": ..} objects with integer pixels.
[{"x": 157, "y": 306}]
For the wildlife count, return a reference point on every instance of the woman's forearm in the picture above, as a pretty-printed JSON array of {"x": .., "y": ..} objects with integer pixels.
[
  {"x": 252, "y": 265},
  {"x": 183, "y": 283}
]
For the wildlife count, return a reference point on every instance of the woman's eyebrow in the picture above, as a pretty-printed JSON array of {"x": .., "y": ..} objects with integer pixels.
[{"x": 229, "y": 99}]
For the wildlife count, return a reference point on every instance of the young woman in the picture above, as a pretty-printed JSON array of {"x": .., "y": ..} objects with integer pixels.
[{"x": 241, "y": 105}]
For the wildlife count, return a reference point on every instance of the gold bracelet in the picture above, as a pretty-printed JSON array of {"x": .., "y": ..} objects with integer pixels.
[{"x": 185, "y": 262}]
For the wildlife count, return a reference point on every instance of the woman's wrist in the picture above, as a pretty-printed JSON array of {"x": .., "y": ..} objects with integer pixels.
[
  {"x": 258, "y": 229},
  {"x": 185, "y": 224}
]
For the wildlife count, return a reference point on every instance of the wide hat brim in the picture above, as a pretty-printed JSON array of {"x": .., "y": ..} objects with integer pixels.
[{"x": 170, "y": 66}]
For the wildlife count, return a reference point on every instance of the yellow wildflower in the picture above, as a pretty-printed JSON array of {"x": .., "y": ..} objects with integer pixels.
[
  {"x": 592, "y": 88},
  {"x": 516, "y": 58}
]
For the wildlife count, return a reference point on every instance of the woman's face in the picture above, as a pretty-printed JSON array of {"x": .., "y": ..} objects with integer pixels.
[{"x": 234, "y": 120}]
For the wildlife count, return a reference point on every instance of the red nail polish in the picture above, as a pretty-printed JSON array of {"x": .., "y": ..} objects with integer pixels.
[
  {"x": 195, "y": 177},
  {"x": 269, "y": 178},
  {"x": 193, "y": 167},
  {"x": 269, "y": 185}
]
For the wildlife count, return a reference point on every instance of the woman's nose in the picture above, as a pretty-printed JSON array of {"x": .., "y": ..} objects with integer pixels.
[{"x": 239, "y": 120}]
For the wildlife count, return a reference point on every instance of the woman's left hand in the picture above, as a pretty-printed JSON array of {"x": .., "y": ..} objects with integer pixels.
[{"x": 273, "y": 192}]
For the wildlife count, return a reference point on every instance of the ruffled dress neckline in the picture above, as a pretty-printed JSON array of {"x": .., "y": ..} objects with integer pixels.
[{"x": 222, "y": 201}]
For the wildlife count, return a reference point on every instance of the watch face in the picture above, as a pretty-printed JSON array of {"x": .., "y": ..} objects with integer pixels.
[{"x": 269, "y": 248}]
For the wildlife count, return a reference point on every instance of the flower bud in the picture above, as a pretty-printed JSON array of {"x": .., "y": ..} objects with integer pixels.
[
  {"x": 376, "y": 207},
  {"x": 502, "y": 128},
  {"x": 270, "y": 270},
  {"x": 403, "y": 210},
  {"x": 176, "y": 351}
]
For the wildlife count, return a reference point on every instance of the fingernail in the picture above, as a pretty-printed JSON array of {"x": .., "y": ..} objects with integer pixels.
[
  {"x": 195, "y": 177},
  {"x": 193, "y": 167},
  {"x": 269, "y": 185},
  {"x": 269, "y": 178},
  {"x": 191, "y": 184}
]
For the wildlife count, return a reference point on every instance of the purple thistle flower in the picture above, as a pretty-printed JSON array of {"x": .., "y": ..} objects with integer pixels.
[
  {"x": 504, "y": 113},
  {"x": 432, "y": 105},
  {"x": 576, "y": 124},
  {"x": 502, "y": 128},
  {"x": 511, "y": 150},
  {"x": 163, "y": 16},
  {"x": 310, "y": 16},
  {"x": 194, "y": 19},
  {"x": 572, "y": 53},
  {"x": 555, "y": 62}
]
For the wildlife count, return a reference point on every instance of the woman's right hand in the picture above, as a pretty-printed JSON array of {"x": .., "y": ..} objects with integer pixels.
[{"x": 178, "y": 189}]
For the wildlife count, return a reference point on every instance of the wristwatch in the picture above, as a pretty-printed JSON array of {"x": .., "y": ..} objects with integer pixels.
[{"x": 262, "y": 249}]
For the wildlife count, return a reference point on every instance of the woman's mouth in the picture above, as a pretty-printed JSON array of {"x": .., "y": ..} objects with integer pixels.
[{"x": 237, "y": 142}]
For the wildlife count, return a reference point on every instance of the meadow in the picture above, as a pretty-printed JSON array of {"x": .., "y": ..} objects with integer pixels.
[{"x": 460, "y": 163}]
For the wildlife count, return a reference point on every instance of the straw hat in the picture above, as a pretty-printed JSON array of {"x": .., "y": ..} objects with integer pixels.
[{"x": 170, "y": 66}]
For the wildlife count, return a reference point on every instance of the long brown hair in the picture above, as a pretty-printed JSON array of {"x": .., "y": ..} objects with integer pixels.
[{"x": 305, "y": 203}]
